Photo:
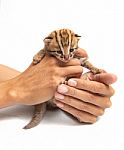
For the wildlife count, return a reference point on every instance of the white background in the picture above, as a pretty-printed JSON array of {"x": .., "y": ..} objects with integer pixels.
[{"x": 23, "y": 26}]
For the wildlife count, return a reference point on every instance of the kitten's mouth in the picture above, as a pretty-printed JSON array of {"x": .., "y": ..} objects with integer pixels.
[
  {"x": 65, "y": 58},
  {"x": 65, "y": 61}
]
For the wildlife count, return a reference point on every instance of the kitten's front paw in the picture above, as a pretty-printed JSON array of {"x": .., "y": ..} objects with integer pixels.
[
  {"x": 97, "y": 71},
  {"x": 36, "y": 59}
]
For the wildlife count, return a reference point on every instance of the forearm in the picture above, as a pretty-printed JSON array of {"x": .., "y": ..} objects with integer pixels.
[
  {"x": 5, "y": 98},
  {"x": 7, "y": 73},
  {"x": 37, "y": 84}
]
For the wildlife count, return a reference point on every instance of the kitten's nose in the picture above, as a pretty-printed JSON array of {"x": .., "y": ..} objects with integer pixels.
[{"x": 66, "y": 57}]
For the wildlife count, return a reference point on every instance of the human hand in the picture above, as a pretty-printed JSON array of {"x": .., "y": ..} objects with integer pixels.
[
  {"x": 39, "y": 82},
  {"x": 85, "y": 99}
]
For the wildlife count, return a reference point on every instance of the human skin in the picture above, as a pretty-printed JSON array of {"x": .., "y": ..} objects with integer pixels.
[
  {"x": 86, "y": 99},
  {"x": 38, "y": 84}
]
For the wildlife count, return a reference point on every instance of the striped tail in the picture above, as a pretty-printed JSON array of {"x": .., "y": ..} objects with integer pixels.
[{"x": 39, "y": 112}]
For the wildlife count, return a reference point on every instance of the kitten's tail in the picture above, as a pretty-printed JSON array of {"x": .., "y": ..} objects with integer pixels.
[{"x": 39, "y": 112}]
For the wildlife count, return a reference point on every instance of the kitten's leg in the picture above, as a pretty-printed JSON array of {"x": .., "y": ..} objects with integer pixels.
[
  {"x": 51, "y": 105},
  {"x": 89, "y": 66},
  {"x": 39, "y": 56},
  {"x": 39, "y": 111},
  {"x": 85, "y": 76}
]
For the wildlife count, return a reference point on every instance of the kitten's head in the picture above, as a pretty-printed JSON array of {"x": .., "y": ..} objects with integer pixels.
[{"x": 62, "y": 44}]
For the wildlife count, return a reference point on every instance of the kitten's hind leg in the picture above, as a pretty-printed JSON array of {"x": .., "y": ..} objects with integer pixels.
[
  {"x": 39, "y": 111},
  {"x": 85, "y": 63},
  {"x": 51, "y": 105}
]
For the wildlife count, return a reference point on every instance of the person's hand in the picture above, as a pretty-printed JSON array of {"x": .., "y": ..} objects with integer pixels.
[
  {"x": 39, "y": 82},
  {"x": 86, "y": 99}
]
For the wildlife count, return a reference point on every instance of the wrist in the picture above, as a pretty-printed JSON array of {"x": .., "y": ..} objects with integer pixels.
[
  {"x": 6, "y": 98},
  {"x": 12, "y": 93},
  {"x": 15, "y": 91}
]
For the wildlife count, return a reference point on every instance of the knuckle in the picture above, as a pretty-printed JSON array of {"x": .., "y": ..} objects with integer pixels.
[
  {"x": 52, "y": 82},
  {"x": 108, "y": 104},
  {"x": 94, "y": 88},
  {"x": 112, "y": 91},
  {"x": 54, "y": 71},
  {"x": 100, "y": 112},
  {"x": 72, "y": 91},
  {"x": 82, "y": 83},
  {"x": 97, "y": 87}
]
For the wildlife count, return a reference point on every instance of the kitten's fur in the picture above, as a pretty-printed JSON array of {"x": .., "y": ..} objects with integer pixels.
[{"x": 62, "y": 44}]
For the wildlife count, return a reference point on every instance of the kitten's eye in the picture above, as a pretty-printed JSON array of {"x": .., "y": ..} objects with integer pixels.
[
  {"x": 59, "y": 52},
  {"x": 71, "y": 50}
]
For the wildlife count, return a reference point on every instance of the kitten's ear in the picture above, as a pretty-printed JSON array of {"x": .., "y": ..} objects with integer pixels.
[
  {"x": 48, "y": 39},
  {"x": 77, "y": 36}
]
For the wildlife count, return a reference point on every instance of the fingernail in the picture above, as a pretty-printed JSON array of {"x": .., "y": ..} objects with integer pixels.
[
  {"x": 72, "y": 82},
  {"x": 59, "y": 96},
  {"x": 62, "y": 89},
  {"x": 114, "y": 78}
]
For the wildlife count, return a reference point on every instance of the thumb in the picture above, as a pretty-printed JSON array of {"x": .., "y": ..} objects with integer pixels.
[
  {"x": 81, "y": 53},
  {"x": 106, "y": 78}
]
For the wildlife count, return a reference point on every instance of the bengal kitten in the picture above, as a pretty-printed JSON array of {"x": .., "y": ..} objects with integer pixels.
[{"x": 61, "y": 44}]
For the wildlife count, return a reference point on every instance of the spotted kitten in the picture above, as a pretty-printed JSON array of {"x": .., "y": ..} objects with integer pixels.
[{"x": 61, "y": 44}]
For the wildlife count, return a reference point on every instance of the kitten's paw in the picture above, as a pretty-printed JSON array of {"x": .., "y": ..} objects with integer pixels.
[
  {"x": 97, "y": 71},
  {"x": 36, "y": 59}
]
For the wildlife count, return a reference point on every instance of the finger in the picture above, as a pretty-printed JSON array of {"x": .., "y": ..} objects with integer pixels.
[
  {"x": 106, "y": 78},
  {"x": 95, "y": 99},
  {"x": 81, "y": 53},
  {"x": 80, "y": 105},
  {"x": 92, "y": 86},
  {"x": 72, "y": 62},
  {"x": 80, "y": 115},
  {"x": 65, "y": 71}
]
